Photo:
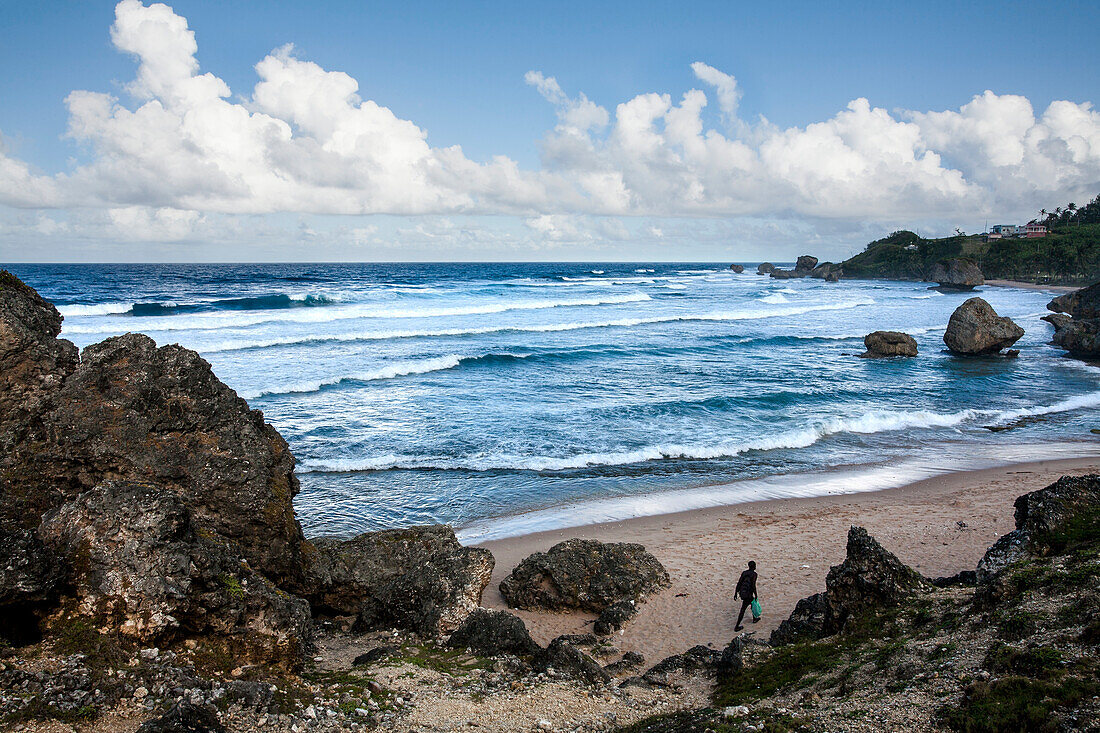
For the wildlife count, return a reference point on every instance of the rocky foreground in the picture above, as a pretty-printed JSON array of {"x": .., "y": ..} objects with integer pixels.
[{"x": 153, "y": 577}]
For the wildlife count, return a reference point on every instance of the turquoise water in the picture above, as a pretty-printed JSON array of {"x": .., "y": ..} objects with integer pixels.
[{"x": 471, "y": 393}]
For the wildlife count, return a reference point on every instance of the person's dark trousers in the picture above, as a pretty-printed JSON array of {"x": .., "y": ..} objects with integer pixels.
[{"x": 745, "y": 603}]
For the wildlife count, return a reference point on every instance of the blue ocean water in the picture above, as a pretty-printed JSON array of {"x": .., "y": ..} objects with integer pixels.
[{"x": 565, "y": 393}]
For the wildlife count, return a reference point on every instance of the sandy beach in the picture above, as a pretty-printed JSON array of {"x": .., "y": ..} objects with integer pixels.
[
  {"x": 1032, "y": 286},
  {"x": 939, "y": 526}
]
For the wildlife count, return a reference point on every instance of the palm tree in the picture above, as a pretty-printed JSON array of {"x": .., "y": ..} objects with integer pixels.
[{"x": 1072, "y": 209}]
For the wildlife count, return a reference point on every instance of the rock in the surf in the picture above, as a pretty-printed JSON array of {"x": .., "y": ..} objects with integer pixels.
[
  {"x": 975, "y": 328},
  {"x": 957, "y": 273},
  {"x": 805, "y": 263},
  {"x": 1058, "y": 320},
  {"x": 584, "y": 574},
  {"x": 419, "y": 578},
  {"x": 737, "y": 268},
  {"x": 1083, "y": 303},
  {"x": 764, "y": 268},
  {"x": 1080, "y": 337},
  {"x": 888, "y": 343},
  {"x": 870, "y": 578}
]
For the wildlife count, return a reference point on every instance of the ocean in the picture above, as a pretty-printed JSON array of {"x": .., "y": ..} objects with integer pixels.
[{"x": 508, "y": 398}]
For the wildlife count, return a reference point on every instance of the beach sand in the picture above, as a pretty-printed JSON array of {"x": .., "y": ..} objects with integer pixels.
[
  {"x": 794, "y": 542},
  {"x": 1032, "y": 286}
]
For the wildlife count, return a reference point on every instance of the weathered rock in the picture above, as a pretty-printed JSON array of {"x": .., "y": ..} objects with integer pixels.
[
  {"x": 737, "y": 268},
  {"x": 888, "y": 343},
  {"x": 962, "y": 578},
  {"x": 1043, "y": 519},
  {"x": 832, "y": 277},
  {"x": 805, "y": 263},
  {"x": 1080, "y": 337},
  {"x": 493, "y": 633},
  {"x": 628, "y": 663},
  {"x": 143, "y": 565},
  {"x": 869, "y": 579},
  {"x": 764, "y": 268},
  {"x": 375, "y": 655},
  {"x": 958, "y": 273},
  {"x": 184, "y": 718},
  {"x": 975, "y": 328},
  {"x": 1058, "y": 320},
  {"x": 418, "y": 578},
  {"x": 788, "y": 274},
  {"x": 566, "y": 659},
  {"x": 30, "y": 580},
  {"x": 615, "y": 616},
  {"x": 697, "y": 660},
  {"x": 1083, "y": 303},
  {"x": 731, "y": 662},
  {"x": 583, "y": 574}
]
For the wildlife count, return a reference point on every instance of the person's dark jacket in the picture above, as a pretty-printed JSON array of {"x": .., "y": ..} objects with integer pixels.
[{"x": 746, "y": 585}]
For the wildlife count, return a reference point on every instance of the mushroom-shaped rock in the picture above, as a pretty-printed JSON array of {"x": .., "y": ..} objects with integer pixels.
[
  {"x": 418, "y": 578},
  {"x": 870, "y": 578},
  {"x": 888, "y": 343},
  {"x": 583, "y": 574},
  {"x": 764, "y": 268},
  {"x": 737, "y": 268},
  {"x": 975, "y": 328},
  {"x": 805, "y": 263},
  {"x": 957, "y": 273}
]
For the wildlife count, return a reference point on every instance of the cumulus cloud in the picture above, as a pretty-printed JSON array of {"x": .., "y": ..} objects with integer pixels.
[{"x": 306, "y": 140}]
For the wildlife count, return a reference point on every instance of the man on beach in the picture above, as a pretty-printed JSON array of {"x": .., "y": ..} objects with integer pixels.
[{"x": 746, "y": 588}]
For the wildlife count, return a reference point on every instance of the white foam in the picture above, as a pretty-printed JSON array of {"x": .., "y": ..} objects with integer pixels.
[
  {"x": 399, "y": 369},
  {"x": 101, "y": 309},
  {"x": 774, "y": 298},
  {"x": 933, "y": 294},
  {"x": 1078, "y": 402},
  {"x": 548, "y": 328},
  {"x": 228, "y": 319}
]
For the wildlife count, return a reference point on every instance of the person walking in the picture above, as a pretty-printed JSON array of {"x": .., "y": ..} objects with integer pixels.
[{"x": 746, "y": 589}]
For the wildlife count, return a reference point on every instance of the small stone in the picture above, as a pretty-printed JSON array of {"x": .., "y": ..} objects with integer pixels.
[
  {"x": 311, "y": 713},
  {"x": 545, "y": 725},
  {"x": 140, "y": 693},
  {"x": 735, "y": 711}
]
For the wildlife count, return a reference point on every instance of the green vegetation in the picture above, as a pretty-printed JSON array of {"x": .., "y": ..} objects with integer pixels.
[
  {"x": 1016, "y": 704},
  {"x": 792, "y": 666},
  {"x": 36, "y": 709},
  {"x": 1070, "y": 253},
  {"x": 232, "y": 585},
  {"x": 446, "y": 661}
]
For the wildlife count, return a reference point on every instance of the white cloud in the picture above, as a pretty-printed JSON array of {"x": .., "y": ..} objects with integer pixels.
[{"x": 306, "y": 142}]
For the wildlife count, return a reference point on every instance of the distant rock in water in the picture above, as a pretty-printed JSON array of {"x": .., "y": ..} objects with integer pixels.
[
  {"x": 737, "y": 268},
  {"x": 958, "y": 273},
  {"x": 805, "y": 263},
  {"x": 888, "y": 343},
  {"x": 832, "y": 277},
  {"x": 828, "y": 271},
  {"x": 870, "y": 578},
  {"x": 975, "y": 328},
  {"x": 764, "y": 268},
  {"x": 583, "y": 574},
  {"x": 419, "y": 578}
]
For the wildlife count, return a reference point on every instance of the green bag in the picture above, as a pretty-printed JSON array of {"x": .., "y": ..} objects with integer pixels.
[{"x": 757, "y": 611}]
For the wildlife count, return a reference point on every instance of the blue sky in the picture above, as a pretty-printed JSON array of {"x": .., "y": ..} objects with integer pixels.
[{"x": 457, "y": 72}]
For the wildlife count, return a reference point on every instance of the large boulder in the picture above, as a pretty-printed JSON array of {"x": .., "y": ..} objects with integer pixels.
[
  {"x": 583, "y": 574},
  {"x": 888, "y": 343},
  {"x": 737, "y": 268},
  {"x": 1083, "y": 303},
  {"x": 493, "y": 633},
  {"x": 1080, "y": 337},
  {"x": 805, "y": 263},
  {"x": 144, "y": 566},
  {"x": 827, "y": 271},
  {"x": 870, "y": 578},
  {"x": 1046, "y": 520},
  {"x": 975, "y": 328},
  {"x": 1058, "y": 320},
  {"x": 958, "y": 273},
  {"x": 418, "y": 578},
  {"x": 764, "y": 268}
]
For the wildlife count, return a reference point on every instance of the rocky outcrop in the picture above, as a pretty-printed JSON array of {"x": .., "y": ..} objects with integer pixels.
[
  {"x": 145, "y": 567},
  {"x": 832, "y": 277},
  {"x": 869, "y": 579},
  {"x": 564, "y": 658},
  {"x": 614, "y": 617},
  {"x": 697, "y": 660},
  {"x": 1081, "y": 338},
  {"x": 737, "y": 268},
  {"x": 975, "y": 328},
  {"x": 958, "y": 273},
  {"x": 764, "y": 268},
  {"x": 1045, "y": 520},
  {"x": 418, "y": 578},
  {"x": 493, "y": 633},
  {"x": 184, "y": 718},
  {"x": 888, "y": 343},
  {"x": 804, "y": 267},
  {"x": 583, "y": 574},
  {"x": 827, "y": 271},
  {"x": 805, "y": 263},
  {"x": 1058, "y": 320},
  {"x": 1083, "y": 303}
]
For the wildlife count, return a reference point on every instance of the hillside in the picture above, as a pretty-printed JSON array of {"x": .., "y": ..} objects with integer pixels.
[{"x": 1068, "y": 255}]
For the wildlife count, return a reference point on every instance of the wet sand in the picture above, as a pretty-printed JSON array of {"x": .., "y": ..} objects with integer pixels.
[
  {"x": 794, "y": 542},
  {"x": 1032, "y": 286}
]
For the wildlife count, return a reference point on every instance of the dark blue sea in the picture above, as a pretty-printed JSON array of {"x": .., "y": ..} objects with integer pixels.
[{"x": 506, "y": 398}]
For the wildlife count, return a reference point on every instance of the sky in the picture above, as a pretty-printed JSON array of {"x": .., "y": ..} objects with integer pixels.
[{"x": 641, "y": 131}]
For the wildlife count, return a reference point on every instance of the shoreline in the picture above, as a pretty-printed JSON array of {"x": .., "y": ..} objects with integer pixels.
[
  {"x": 794, "y": 540},
  {"x": 1021, "y": 285}
]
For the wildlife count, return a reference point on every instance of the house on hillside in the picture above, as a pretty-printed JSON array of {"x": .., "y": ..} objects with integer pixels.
[
  {"x": 1035, "y": 230},
  {"x": 1005, "y": 230}
]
